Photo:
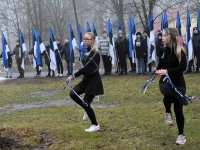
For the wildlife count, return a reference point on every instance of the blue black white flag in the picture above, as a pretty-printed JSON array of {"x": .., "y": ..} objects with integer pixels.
[
  {"x": 53, "y": 48},
  {"x": 95, "y": 32},
  {"x": 110, "y": 35},
  {"x": 178, "y": 23},
  {"x": 72, "y": 40},
  {"x": 164, "y": 22},
  {"x": 88, "y": 27},
  {"x": 5, "y": 51},
  {"x": 40, "y": 49},
  {"x": 198, "y": 20},
  {"x": 22, "y": 49}
]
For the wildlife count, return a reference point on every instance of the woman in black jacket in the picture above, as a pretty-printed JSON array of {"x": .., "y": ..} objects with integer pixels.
[
  {"x": 122, "y": 50},
  {"x": 91, "y": 83},
  {"x": 173, "y": 62},
  {"x": 140, "y": 53}
]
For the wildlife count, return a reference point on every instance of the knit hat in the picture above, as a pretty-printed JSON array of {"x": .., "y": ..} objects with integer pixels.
[
  {"x": 47, "y": 43},
  {"x": 17, "y": 41},
  {"x": 159, "y": 34},
  {"x": 195, "y": 28},
  {"x": 138, "y": 33},
  {"x": 120, "y": 32}
]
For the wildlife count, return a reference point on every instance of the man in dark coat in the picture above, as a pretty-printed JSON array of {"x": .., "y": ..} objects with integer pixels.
[
  {"x": 122, "y": 49},
  {"x": 68, "y": 58},
  {"x": 159, "y": 47}
]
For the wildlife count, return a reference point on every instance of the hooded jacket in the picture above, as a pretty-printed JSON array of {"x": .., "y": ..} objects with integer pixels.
[{"x": 196, "y": 41}]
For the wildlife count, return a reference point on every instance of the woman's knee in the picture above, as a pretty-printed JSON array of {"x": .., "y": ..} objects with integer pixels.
[{"x": 72, "y": 94}]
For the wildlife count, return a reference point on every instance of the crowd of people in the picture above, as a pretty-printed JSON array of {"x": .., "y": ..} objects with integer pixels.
[{"x": 140, "y": 48}]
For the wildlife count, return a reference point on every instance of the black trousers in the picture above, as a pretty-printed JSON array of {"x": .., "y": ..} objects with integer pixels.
[
  {"x": 169, "y": 98},
  {"x": 49, "y": 70},
  {"x": 38, "y": 70},
  {"x": 147, "y": 65},
  {"x": 122, "y": 60},
  {"x": 59, "y": 65},
  {"x": 133, "y": 65},
  {"x": 118, "y": 64},
  {"x": 197, "y": 55},
  {"x": 88, "y": 99},
  {"x": 107, "y": 63}
]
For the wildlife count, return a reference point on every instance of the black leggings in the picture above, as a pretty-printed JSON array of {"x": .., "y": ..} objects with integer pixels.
[
  {"x": 88, "y": 99},
  {"x": 166, "y": 90}
]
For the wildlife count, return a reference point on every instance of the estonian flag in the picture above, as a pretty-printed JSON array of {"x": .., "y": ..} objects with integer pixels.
[
  {"x": 40, "y": 49},
  {"x": 198, "y": 20},
  {"x": 95, "y": 32},
  {"x": 5, "y": 51},
  {"x": 133, "y": 37},
  {"x": 72, "y": 40},
  {"x": 178, "y": 23},
  {"x": 53, "y": 48},
  {"x": 82, "y": 48},
  {"x": 22, "y": 48},
  {"x": 110, "y": 35},
  {"x": 164, "y": 22},
  {"x": 130, "y": 38},
  {"x": 118, "y": 26},
  {"x": 151, "y": 40},
  {"x": 188, "y": 37},
  {"x": 88, "y": 27},
  {"x": 34, "y": 42}
]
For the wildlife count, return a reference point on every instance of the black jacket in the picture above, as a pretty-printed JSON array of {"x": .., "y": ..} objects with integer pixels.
[
  {"x": 159, "y": 48},
  {"x": 196, "y": 41},
  {"x": 91, "y": 82},
  {"x": 9, "y": 60},
  {"x": 139, "y": 49},
  {"x": 122, "y": 46},
  {"x": 66, "y": 51},
  {"x": 47, "y": 55},
  {"x": 59, "y": 49}
]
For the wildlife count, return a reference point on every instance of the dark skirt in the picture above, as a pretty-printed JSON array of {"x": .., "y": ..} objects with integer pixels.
[{"x": 92, "y": 84}]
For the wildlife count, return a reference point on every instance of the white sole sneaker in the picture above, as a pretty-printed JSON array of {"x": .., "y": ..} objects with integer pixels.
[{"x": 93, "y": 128}]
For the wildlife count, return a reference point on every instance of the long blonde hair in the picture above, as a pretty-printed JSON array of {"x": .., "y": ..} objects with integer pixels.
[
  {"x": 94, "y": 46},
  {"x": 174, "y": 42}
]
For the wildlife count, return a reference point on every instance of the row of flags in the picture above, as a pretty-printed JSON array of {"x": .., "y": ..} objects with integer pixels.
[{"x": 39, "y": 47}]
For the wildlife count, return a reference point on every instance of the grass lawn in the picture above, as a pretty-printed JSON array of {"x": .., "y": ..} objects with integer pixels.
[{"x": 136, "y": 122}]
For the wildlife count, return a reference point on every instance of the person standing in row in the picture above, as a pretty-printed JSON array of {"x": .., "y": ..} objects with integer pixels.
[
  {"x": 68, "y": 58},
  {"x": 18, "y": 59},
  {"x": 159, "y": 47},
  {"x": 47, "y": 59},
  {"x": 91, "y": 83},
  {"x": 173, "y": 62},
  {"x": 121, "y": 46},
  {"x": 140, "y": 53},
  {"x": 9, "y": 64},
  {"x": 196, "y": 47},
  {"x": 104, "y": 48},
  {"x": 59, "y": 59}
]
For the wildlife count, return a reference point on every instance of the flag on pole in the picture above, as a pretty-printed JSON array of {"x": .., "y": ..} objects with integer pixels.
[
  {"x": 40, "y": 49},
  {"x": 95, "y": 32},
  {"x": 110, "y": 35},
  {"x": 178, "y": 23},
  {"x": 82, "y": 48},
  {"x": 188, "y": 37},
  {"x": 151, "y": 40},
  {"x": 118, "y": 26},
  {"x": 72, "y": 41},
  {"x": 34, "y": 42},
  {"x": 133, "y": 37},
  {"x": 198, "y": 20},
  {"x": 22, "y": 48},
  {"x": 53, "y": 48},
  {"x": 130, "y": 37},
  {"x": 88, "y": 27},
  {"x": 164, "y": 22},
  {"x": 5, "y": 51}
]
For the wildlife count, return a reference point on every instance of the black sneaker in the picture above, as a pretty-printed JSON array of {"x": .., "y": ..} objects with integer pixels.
[
  {"x": 6, "y": 77},
  {"x": 10, "y": 77}
]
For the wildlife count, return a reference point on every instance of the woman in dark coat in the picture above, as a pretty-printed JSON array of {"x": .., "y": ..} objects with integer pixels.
[
  {"x": 122, "y": 50},
  {"x": 173, "y": 62},
  {"x": 91, "y": 83},
  {"x": 140, "y": 53}
]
